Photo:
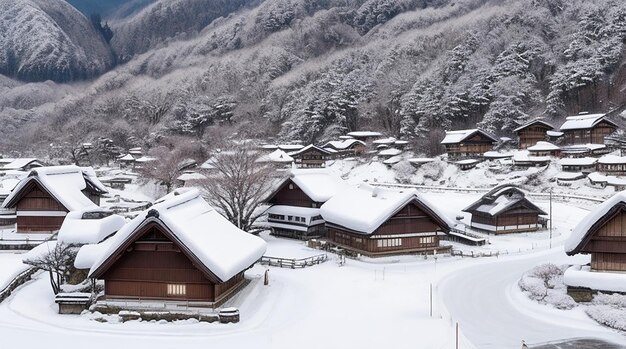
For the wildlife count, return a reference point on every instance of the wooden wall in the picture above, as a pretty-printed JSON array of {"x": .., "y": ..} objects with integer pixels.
[
  {"x": 608, "y": 245},
  {"x": 530, "y": 135},
  {"x": 292, "y": 197},
  {"x": 594, "y": 135},
  {"x": 36, "y": 199}
]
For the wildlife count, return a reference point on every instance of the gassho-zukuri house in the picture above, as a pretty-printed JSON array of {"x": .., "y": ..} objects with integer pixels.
[
  {"x": 467, "y": 143},
  {"x": 180, "y": 249},
  {"x": 296, "y": 202},
  {"x": 43, "y": 199},
  {"x": 587, "y": 128},
  {"x": 505, "y": 209},
  {"x": 375, "y": 221}
]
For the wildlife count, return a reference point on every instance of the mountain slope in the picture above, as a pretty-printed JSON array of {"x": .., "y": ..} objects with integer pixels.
[{"x": 49, "y": 40}]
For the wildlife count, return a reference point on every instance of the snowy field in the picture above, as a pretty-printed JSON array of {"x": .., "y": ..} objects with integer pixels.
[
  {"x": 366, "y": 303},
  {"x": 10, "y": 266}
]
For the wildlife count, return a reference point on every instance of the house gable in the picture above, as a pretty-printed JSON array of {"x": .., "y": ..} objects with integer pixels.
[
  {"x": 34, "y": 197},
  {"x": 606, "y": 235},
  {"x": 290, "y": 194}
]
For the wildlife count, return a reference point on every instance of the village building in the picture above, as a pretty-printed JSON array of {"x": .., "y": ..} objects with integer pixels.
[
  {"x": 523, "y": 158},
  {"x": 21, "y": 164},
  {"x": 181, "y": 249},
  {"x": 466, "y": 164},
  {"x": 375, "y": 221},
  {"x": 311, "y": 156},
  {"x": 290, "y": 147},
  {"x": 277, "y": 157},
  {"x": 42, "y": 199},
  {"x": 582, "y": 150},
  {"x": 365, "y": 136},
  {"x": 602, "y": 235},
  {"x": 346, "y": 147},
  {"x": 467, "y": 143},
  {"x": 583, "y": 165},
  {"x": 189, "y": 177},
  {"x": 505, "y": 209},
  {"x": 543, "y": 148},
  {"x": 389, "y": 153},
  {"x": 532, "y": 132},
  {"x": 587, "y": 128},
  {"x": 612, "y": 164},
  {"x": 296, "y": 201}
]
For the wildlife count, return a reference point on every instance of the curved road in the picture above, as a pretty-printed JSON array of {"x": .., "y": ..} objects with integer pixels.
[{"x": 483, "y": 299}]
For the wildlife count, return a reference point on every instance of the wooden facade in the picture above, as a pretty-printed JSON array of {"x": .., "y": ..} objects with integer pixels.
[
  {"x": 606, "y": 241},
  {"x": 155, "y": 265},
  {"x": 289, "y": 194},
  {"x": 611, "y": 168},
  {"x": 311, "y": 157},
  {"x": 37, "y": 211},
  {"x": 513, "y": 221},
  {"x": 412, "y": 229},
  {"x": 532, "y": 133},
  {"x": 593, "y": 135},
  {"x": 475, "y": 145}
]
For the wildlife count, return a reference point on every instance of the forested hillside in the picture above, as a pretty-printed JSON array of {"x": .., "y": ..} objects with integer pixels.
[{"x": 313, "y": 69}]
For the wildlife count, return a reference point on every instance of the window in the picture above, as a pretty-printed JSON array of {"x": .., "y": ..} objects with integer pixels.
[
  {"x": 176, "y": 289},
  {"x": 276, "y": 216},
  {"x": 290, "y": 186},
  {"x": 389, "y": 242},
  {"x": 289, "y": 218},
  {"x": 427, "y": 240}
]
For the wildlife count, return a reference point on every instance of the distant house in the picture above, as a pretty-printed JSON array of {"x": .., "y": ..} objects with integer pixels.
[
  {"x": 543, "y": 148},
  {"x": 584, "y": 165},
  {"x": 181, "y": 250},
  {"x": 311, "y": 156},
  {"x": 346, "y": 147},
  {"x": 278, "y": 157},
  {"x": 22, "y": 164},
  {"x": 505, "y": 209},
  {"x": 376, "y": 221},
  {"x": 42, "y": 200},
  {"x": 365, "y": 136},
  {"x": 583, "y": 150},
  {"x": 532, "y": 132},
  {"x": 296, "y": 201},
  {"x": 611, "y": 164},
  {"x": 587, "y": 128},
  {"x": 601, "y": 234},
  {"x": 467, "y": 143}
]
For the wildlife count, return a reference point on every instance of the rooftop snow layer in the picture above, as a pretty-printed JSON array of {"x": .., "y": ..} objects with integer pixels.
[
  {"x": 569, "y": 176},
  {"x": 344, "y": 144},
  {"x": 365, "y": 134},
  {"x": 278, "y": 156},
  {"x": 364, "y": 208},
  {"x": 76, "y": 230},
  {"x": 318, "y": 184},
  {"x": 222, "y": 247},
  {"x": 190, "y": 176},
  {"x": 612, "y": 160},
  {"x": 20, "y": 163},
  {"x": 581, "y": 121},
  {"x": 578, "y": 161},
  {"x": 390, "y": 152},
  {"x": 532, "y": 122},
  {"x": 457, "y": 136},
  {"x": 543, "y": 146},
  {"x": 578, "y": 276}
]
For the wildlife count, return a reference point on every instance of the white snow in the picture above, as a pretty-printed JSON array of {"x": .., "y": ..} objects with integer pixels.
[
  {"x": 457, "y": 136},
  {"x": 310, "y": 146},
  {"x": 569, "y": 176},
  {"x": 543, "y": 146},
  {"x": 127, "y": 157},
  {"x": 191, "y": 176},
  {"x": 581, "y": 121},
  {"x": 393, "y": 160},
  {"x": 343, "y": 144},
  {"x": 532, "y": 122},
  {"x": 364, "y": 208},
  {"x": 18, "y": 164},
  {"x": 364, "y": 134},
  {"x": 554, "y": 133},
  {"x": 10, "y": 266},
  {"x": 387, "y": 141},
  {"x": 318, "y": 184},
  {"x": 390, "y": 152},
  {"x": 223, "y": 248},
  {"x": 76, "y": 230},
  {"x": 278, "y": 156},
  {"x": 582, "y": 276},
  {"x": 612, "y": 160},
  {"x": 587, "y": 161}
]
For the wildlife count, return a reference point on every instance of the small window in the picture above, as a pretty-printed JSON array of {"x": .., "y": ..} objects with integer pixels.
[
  {"x": 289, "y": 218},
  {"x": 290, "y": 186},
  {"x": 314, "y": 205},
  {"x": 176, "y": 289}
]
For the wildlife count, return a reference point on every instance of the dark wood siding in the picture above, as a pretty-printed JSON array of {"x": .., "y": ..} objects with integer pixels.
[
  {"x": 36, "y": 199},
  {"x": 607, "y": 244},
  {"x": 291, "y": 195},
  {"x": 38, "y": 224},
  {"x": 593, "y": 135},
  {"x": 311, "y": 158},
  {"x": 532, "y": 134},
  {"x": 33, "y": 199},
  {"x": 476, "y": 146}
]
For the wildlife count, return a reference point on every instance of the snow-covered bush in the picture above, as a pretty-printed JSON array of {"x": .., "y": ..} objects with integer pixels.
[
  {"x": 608, "y": 316},
  {"x": 433, "y": 170},
  {"x": 544, "y": 284},
  {"x": 404, "y": 170}
]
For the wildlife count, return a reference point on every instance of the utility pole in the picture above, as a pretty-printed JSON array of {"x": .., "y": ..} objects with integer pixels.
[{"x": 550, "y": 218}]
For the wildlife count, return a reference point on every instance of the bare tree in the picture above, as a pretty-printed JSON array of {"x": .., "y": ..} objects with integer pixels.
[
  {"x": 237, "y": 186},
  {"x": 58, "y": 262}
]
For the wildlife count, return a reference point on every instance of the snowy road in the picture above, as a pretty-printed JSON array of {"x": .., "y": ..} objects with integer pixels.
[{"x": 492, "y": 312}]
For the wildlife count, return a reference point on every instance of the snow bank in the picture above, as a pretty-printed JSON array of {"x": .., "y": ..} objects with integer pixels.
[
  {"x": 578, "y": 276},
  {"x": 39, "y": 251}
]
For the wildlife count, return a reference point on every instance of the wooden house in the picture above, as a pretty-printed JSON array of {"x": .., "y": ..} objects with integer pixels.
[
  {"x": 181, "y": 249},
  {"x": 365, "y": 136},
  {"x": 587, "y": 128},
  {"x": 543, "y": 148},
  {"x": 375, "y": 221},
  {"x": 505, "y": 209},
  {"x": 277, "y": 157},
  {"x": 42, "y": 199},
  {"x": 584, "y": 165},
  {"x": 583, "y": 150},
  {"x": 311, "y": 156},
  {"x": 346, "y": 147},
  {"x": 467, "y": 143},
  {"x": 296, "y": 201},
  {"x": 532, "y": 132},
  {"x": 22, "y": 164},
  {"x": 602, "y": 234},
  {"x": 612, "y": 164}
]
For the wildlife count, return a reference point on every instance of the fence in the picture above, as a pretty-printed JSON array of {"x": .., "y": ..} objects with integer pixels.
[
  {"x": 293, "y": 263},
  {"x": 17, "y": 281}
]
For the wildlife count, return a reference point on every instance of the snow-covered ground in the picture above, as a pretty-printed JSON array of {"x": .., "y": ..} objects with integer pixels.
[
  {"x": 10, "y": 266},
  {"x": 364, "y": 304}
]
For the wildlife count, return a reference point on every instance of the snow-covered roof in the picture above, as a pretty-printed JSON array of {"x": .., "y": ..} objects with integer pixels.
[
  {"x": 393, "y": 160},
  {"x": 501, "y": 199},
  {"x": 64, "y": 183},
  {"x": 344, "y": 144},
  {"x": 585, "y": 121},
  {"x": 420, "y": 160},
  {"x": 277, "y": 156},
  {"x": 612, "y": 160},
  {"x": 127, "y": 157},
  {"x": 523, "y": 156},
  {"x": 587, "y": 161},
  {"x": 290, "y": 147},
  {"x": 569, "y": 176},
  {"x": 77, "y": 228},
  {"x": 533, "y": 122},
  {"x": 497, "y": 155},
  {"x": 268, "y": 146},
  {"x": 390, "y": 152},
  {"x": 319, "y": 184},
  {"x": 21, "y": 163},
  {"x": 364, "y": 208},
  {"x": 88, "y": 254},
  {"x": 388, "y": 140},
  {"x": 363, "y": 134},
  {"x": 190, "y": 176},
  {"x": 458, "y": 136},
  {"x": 554, "y": 133},
  {"x": 146, "y": 159},
  {"x": 216, "y": 243},
  {"x": 543, "y": 146},
  {"x": 580, "y": 232},
  {"x": 91, "y": 176},
  {"x": 293, "y": 211},
  {"x": 309, "y": 147},
  {"x": 401, "y": 142},
  {"x": 467, "y": 162},
  {"x": 7, "y": 185},
  {"x": 582, "y": 276}
]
